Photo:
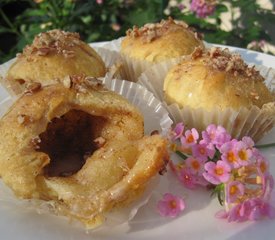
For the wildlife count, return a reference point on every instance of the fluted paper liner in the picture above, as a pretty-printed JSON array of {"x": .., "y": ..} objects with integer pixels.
[
  {"x": 156, "y": 117},
  {"x": 112, "y": 60},
  {"x": 132, "y": 68},
  {"x": 254, "y": 122}
]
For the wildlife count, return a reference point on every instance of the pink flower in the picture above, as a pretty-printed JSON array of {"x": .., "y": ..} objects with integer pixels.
[
  {"x": 259, "y": 209},
  {"x": 190, "y": 179},
  {"x": 229, "y": 153},
  {"x": 200, "y": 180},
  {"x": 203, "y": 151},
  {"x": 190, "y": 138},
  {"x": 99, "y": 2},
  {"x": 238, "y": 213},
  {"x": 233, "y": 190},
  {"x": 177, "y": 131},
  {"x": 195, "y": 165},
  {"x": 244, "y": 154},
  {"x": 216, "y": 135},
  {"x": 170, "y": 205},
  {"x": 222, "y": 214},
  {"x": 181, "y": 6},
  {"x": 187, "y": 178},
  {"x": 252, "y": 209},
  {"x": 116, "y": 27},
  {"x": 262, "y": 43},
  {"x": 268, "y": 185},
  {"x": 248, "y": 141},
  {"x": 262, "y": 165},
  {"x": 203, "y": 8},
  {"x": 217, "y": 173}
]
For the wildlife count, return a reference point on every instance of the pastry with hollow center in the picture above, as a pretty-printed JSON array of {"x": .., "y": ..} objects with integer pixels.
[
  {"x": 52, "y": 56},
  {"x": 79, "y": 146},
  {"x": 215, "y": 78},
  {"x": 160, "y": 41}
]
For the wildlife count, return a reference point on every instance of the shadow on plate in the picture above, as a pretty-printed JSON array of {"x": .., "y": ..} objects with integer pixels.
[
  {"x": 148, "y": 217},
  {"x": 259, "y": 230}
]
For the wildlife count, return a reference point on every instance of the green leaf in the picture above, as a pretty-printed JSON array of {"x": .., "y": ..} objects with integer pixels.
[
  {"x": 34, "y": 13},
  {"x": 182, "y": 155},
  {"x": 5, "y": 30}
]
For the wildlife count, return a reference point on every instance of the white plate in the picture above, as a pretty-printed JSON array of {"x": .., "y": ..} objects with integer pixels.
[{"x": 196, "y": 222}]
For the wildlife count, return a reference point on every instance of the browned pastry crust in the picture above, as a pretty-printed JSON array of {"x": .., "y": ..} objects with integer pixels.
[
  {"x": 215, "y": 78},
  {"x": 52, "y": 56},
  {"x": 79, "y": 146},
  {"x": 160, "y": 41}
]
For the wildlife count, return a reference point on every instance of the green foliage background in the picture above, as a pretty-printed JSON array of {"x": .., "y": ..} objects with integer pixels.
[{"x": 20, "y": 21}]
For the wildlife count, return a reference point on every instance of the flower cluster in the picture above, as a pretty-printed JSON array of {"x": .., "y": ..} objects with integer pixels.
[
  {"x": 203, "y": 8},
  {"x": 236, "y": 170}
]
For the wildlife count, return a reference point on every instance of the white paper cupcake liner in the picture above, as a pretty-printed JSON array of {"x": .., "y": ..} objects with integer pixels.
[
  {"x": 114, "y": 45},
  {"x": 252, "y": 122},
  {"x": 156, "y": 117},
  {"x": 132, "y": 68}
]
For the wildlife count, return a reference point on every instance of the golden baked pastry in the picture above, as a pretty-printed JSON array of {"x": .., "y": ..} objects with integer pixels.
[
  {"x": 52, "y": 56},
  {"x": 79, "y": 146},
  {"x": 215, "y": 78},
  {"x": 160, "y": 41}
]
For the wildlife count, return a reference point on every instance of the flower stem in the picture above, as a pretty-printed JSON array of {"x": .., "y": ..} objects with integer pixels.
[
  {"x": 8, "y": 22},
  {"x": 181, "y": 155},
  {"x": 265, "y": 145}
]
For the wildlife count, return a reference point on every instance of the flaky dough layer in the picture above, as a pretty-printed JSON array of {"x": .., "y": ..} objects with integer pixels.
[{"x": 114, "y": 174}]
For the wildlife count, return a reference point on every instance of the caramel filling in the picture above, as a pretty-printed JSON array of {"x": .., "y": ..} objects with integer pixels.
[{"x": 69, "y": 141}]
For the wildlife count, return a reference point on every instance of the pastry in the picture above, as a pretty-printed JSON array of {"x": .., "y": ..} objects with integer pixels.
[
  {"x": 52, "y": 56},
  {"x": 78, "y": 146},
  {"x": 215, "y": 86},
  {"x": 161, "y": 41},
  {"x": 215, "y": 78}
]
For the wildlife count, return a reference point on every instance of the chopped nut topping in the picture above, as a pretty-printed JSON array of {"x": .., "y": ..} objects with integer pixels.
[
  {"x": 20, "y": 81},
  {"x": 23, "y": 119},
  {"x": 151, "y": 31},
  {"x": 100, "y": 141},
  {"x": 67, "y": 82},
  {"x": 197, "y": 53},
  {"x": 155, "y": 132},
  {"x": 93, "y": 82},
  {"x": 198, "y": 35},
  {"x": 254, "y": 95},
  {"x": 43, "y": 51},
  {"x": 32, "y": 88},
  {"x": 87, "y": 155},
  {"x": 81, "y": 83},
  {"x": 68, "y": 54},
  {"x": 35, "y": 142},
  {"x": 223, "y": 60},
  {"x": 54, "y": 41}
]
